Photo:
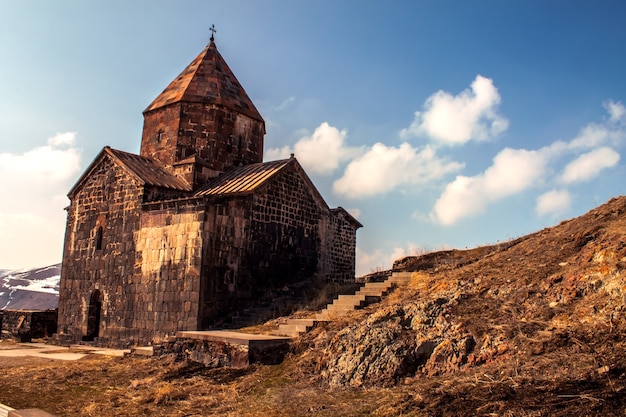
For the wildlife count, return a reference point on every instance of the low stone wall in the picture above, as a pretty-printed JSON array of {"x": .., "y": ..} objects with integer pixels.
[
  {"x": 25, "y": 325},
  {"x": 217, "y": 354}
]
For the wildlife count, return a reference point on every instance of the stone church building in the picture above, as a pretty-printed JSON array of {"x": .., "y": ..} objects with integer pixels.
[{"x": 196, "y": 225}]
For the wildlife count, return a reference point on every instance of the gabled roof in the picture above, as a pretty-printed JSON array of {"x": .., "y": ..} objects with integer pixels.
[
  {"x": 146, "y": 170},
  {"x": 349, "y": 217},
  {"x": 208, "y": 79},
  {"x": 243, "y": 179},
  {"x": 248, "y": 178}
]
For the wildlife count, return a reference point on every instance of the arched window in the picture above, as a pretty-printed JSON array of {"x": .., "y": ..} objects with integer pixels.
[{"x": 98, "y": 238}]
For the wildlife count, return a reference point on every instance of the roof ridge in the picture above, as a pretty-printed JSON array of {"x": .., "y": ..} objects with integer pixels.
[
  {"x": 243, "y": 179},
  {"x": 209, "y": 80}
]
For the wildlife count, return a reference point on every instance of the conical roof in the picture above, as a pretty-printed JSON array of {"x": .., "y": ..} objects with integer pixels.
[{"x": 208, "y": 79}]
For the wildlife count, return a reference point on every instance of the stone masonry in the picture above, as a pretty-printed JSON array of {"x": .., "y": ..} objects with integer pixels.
[{"x": 196, "y": 225}]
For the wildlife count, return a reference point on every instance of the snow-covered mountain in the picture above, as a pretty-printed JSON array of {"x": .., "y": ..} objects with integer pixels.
[{"x": 35, "y": 289}]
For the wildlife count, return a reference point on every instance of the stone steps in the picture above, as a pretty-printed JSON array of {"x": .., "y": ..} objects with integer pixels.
[
  {"x": 371, "y": 292},
  {"x": 241, "y": 349}
]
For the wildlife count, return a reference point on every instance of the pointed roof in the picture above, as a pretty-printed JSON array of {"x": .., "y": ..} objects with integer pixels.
[
  {"x": 146, "y": 170},
  {"x": 208, "y": 79}
]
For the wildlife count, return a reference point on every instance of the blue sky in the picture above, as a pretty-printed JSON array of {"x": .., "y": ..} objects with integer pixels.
[{"x": 437, "y": 123}]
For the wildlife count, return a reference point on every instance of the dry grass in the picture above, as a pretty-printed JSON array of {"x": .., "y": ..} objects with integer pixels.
[{"x": 550, "y": 295}]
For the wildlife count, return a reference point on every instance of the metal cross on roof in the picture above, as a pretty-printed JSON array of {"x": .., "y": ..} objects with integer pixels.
[{"x": 213, "y": 30}]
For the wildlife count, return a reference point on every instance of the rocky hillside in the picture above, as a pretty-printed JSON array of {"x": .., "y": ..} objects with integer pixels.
[
  {"x": 35, "y": 289},
  {"x": 545, "y": 312},
  {"x": 532, "y": 327}
]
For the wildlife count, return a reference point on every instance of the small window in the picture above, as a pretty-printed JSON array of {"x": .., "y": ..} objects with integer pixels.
[
  {"x": 159, "y": 136},
  {"x": 98, "y": 238}
]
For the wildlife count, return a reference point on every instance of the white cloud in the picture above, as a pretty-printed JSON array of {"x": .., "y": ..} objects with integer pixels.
[
  {"x": 319, "y": 153},
  {"x": 382, "y": 169},
  {"x": 590, "y": 136},
  {"x": 463, "y": 197},
  {"x": 589, "y": 165},
  {"x": 553, "y": 202},
  {"x": 512, "y": 171},
  {"x": 597, "y": 134},
  {"x": 516, "y": 170},
  {"x": 354, "y": 212},
  {"x": 381, "y": 260},
  {"x": 616, "y": 110},
  {"x": 455, "y": 120},
  {"x": 35, "y": 184},
  {"x": 44, "y": 164}
]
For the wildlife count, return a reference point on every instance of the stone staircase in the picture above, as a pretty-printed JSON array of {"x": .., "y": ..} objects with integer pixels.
[
  {"x": 237, "y": 349},
  {"x": 371, "y": 292}
]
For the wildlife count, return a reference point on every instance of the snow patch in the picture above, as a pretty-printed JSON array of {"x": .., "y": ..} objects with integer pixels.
[{"x": 47, "y": 285}]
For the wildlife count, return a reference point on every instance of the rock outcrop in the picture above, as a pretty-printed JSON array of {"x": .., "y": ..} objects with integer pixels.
[{"x": 556, "y": 289}]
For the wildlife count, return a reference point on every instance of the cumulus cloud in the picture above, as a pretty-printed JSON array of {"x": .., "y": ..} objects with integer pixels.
[
  {"x": 617, "y": 112},
  {"x": 53, "y": 162},
  {"x": 516, "y": 170},
  {"x": 512, "y": 171},
  {"x": 320, "y": 153},
  {"x": 553, "y": 202},
  {"x": 36, "y": 182},
  {"x": 383, "y": 168},
  {"x": 455, "y": 120},
  {"x": 368, "y": 262},
  {"x": 589, "y": 165}
]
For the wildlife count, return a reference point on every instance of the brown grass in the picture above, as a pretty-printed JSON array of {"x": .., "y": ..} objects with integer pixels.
[{"x": 556, "y": 297}]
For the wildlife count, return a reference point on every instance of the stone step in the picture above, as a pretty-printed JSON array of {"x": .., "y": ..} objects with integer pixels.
[
  {"x": 369, "y": 293},
  {"x": 306, "y": 322},
  {"x": 385, "y": 285},
  {"x": 293, "y": 327},
  {"x": 372, "y": 293},
  {"x": 354, "y": 300},
  {"x": 350, "y": 297},
  {"x": 4, "y": 410},
  {"x": 261, "y": 348},
  {"x": 400, "y": 277},
  {"x": 142, "y": 350},
  {"x": 342, "y": 307},
  {"x": 286, "y": 333}
]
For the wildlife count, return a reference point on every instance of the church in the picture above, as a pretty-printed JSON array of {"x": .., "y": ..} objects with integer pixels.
[{"x": 196, "y": 225}]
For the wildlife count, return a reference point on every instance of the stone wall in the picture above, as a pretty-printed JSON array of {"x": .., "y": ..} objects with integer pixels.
[
  {"x": 25, "y": 325},
  {"x": 286, "y": 240},
  {"x": 221, "y": 136},
  {"x": 341, "y": 247},
  {"x": 225, "y": 284},
  {"x": 257, "y": 243},
  {"x": 99, "y": 255},
  {"x": 167, "y": 288}
]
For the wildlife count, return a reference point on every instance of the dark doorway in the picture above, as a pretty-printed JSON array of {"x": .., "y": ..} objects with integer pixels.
[{"x": 93, "y": 316}]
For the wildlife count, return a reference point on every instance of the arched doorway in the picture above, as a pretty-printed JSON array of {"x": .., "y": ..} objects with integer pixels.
[{"x": 93, "y": 316}]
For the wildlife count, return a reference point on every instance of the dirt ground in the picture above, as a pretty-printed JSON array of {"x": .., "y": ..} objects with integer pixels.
[
  {"x": 552, "y": 306},
  {"x": 587, "y": 381}
]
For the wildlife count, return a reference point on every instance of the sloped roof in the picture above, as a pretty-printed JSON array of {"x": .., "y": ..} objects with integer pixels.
[
  {"x": 149, "y": 171},
  {"x": 207, "y": 79},
  {"x": 341, "y": 211},
  {"x": 146, "y": 170},
  {"x": 243, "y": 179}
]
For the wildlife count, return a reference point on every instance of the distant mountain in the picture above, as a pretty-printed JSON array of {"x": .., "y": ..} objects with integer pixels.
[{"x": 35, "y": 289}]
